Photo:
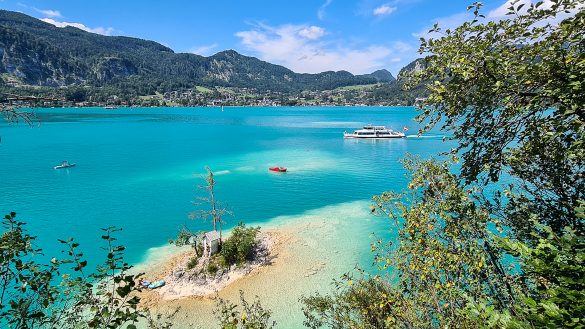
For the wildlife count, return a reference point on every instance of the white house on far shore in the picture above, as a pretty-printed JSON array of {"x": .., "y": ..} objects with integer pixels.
[{"x": 210, "y": 243}]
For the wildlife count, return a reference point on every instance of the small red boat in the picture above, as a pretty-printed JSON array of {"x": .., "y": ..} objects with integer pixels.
[{"x": 277, "y": 169}]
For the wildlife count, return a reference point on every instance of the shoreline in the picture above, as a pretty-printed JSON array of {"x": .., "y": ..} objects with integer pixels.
[
  {"x": 106, "y": 107},
  {"x": 308, "y": 251},
  {"x": 178, "y": 285}
]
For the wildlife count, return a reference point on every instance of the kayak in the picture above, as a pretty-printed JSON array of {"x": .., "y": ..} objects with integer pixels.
[
  {"x": 156, "y": 284},
  {"x": 277, "y": 169}
]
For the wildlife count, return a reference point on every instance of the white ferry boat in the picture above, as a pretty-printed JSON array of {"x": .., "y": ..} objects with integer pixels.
[{"x": 370, "y": 131}]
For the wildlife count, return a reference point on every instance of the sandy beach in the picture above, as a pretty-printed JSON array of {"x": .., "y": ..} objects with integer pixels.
[
  {"x": 177, "y": 288},
  {"x": 308, "y": 251}
]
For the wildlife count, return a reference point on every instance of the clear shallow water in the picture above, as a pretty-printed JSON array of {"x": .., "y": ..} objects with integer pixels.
[
  {"x": 316, "y": 247},
  {"x": 139, "y": 168}
]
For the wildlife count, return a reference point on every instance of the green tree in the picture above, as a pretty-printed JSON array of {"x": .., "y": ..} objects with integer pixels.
[
  {"x": 26, "y": 289},
  {"x": 553, "y": 268},
  {"x": 444, "y": 257},
  {"x": 76, "y": 94},
  {"x": 510, "y": 92},
  {"x": 186, "y": 237},
  {"x": 245, "y": 316},
  {"x": 241, "y": 244},
  {"x": 59, "y": 293},
  {"x": 356, "y": 303}
]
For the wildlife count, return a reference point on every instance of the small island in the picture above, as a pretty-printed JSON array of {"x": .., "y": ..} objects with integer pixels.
[
  {"x": 200, "y": 273},
  {"x": 211, "y": 262}
]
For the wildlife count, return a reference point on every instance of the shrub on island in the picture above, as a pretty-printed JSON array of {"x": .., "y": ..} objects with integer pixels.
[{"x": 240, "y": 246}]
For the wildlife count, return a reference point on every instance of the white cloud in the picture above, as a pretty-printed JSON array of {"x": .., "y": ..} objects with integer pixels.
[
  {"x": 102, "y": 30},
  {"x": 204, "y": 50},
  {"x": 312, "y": 32},
  {"x": 45, "y": 12},
  {"x": 321, "y": 11},
  {"x": 456, "y": 20},
  {"x": 384, "y": 10},
  {"x": 402, "y": 47},
  {"x": 501, "y": 11},
  {"x": 98, "y": 30},
  {"x": 49, "y": 12},
  {"x": 448, "y": 22},
  {"x": 290, "y": 46}
]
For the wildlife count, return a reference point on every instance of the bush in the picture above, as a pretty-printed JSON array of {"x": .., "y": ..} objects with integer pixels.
[
  {"x": 212, "y": 268},
  {"x": 220, "y": 261},
  {"x": 186, "y": 237},
  {"x": 247, "y": 315},
  {"x": 216, "y": 262},
  {"x": 62, "y": 293},
  {"x": 192, "y": 263},
  {"x": 356, "y": 302},
  {"x": 239, "y": 247}
]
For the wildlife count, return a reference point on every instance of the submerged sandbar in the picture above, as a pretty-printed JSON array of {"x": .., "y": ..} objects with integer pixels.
[{"x": 308, "y": 251}]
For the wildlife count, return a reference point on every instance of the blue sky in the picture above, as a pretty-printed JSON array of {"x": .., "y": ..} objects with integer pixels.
[{"x": 304, "y": 35}]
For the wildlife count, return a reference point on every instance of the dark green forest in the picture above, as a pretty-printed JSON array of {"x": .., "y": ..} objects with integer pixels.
[{"x": 41, "y": 59}]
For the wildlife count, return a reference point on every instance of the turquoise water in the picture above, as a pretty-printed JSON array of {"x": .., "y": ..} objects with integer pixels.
[{"x": 138, "y": 168}]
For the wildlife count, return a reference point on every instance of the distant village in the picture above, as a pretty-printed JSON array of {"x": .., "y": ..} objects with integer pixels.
[
  {"x": 230, "y": 96},
  {"x": 251, "y": 97}
]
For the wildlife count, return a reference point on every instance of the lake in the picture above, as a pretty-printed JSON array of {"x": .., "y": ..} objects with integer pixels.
[{"x": 139, "y": 169}]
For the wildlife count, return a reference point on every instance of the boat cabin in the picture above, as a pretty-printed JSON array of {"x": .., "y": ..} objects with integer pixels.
[
  {"x": 370, "y": 131},
  {"x": 365, "y": 133},
  {"x": 211, "y": 243},
  {"x": 370, "y": 127}
]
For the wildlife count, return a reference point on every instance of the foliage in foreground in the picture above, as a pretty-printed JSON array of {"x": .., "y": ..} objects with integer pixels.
[
  {"x": 60, "y": 293},
  {"x": 360, "y": 303},
  {"x": 554, "y": 271},
  {"x": 500, "y": 244},
  {"x": 245, "y": 316},
  {"x": 512, "y": 94},
  {"x": 451, "y": 270},
  {"x": 444, "y": 257}
]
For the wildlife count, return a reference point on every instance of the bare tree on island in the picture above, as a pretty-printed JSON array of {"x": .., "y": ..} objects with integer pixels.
[
  {"x": 216, "y": 211},
  {"x": 212, "y": 210}
]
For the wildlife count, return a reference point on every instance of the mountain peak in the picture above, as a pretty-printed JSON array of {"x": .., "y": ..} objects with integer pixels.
[
  {"x": 382, "y": 75},
  {"x": 414, "y": 66},
  {"x": 228, "y": 52},
  {"x": 382, "y": 71},
  {"x": 80, "y": 58}
]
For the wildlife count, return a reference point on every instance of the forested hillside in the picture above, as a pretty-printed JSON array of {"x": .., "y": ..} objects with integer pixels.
[{"x": 39, "y": 54}]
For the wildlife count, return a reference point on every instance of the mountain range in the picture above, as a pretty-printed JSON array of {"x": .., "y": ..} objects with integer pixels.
[{"x": 37, "y": 53}]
